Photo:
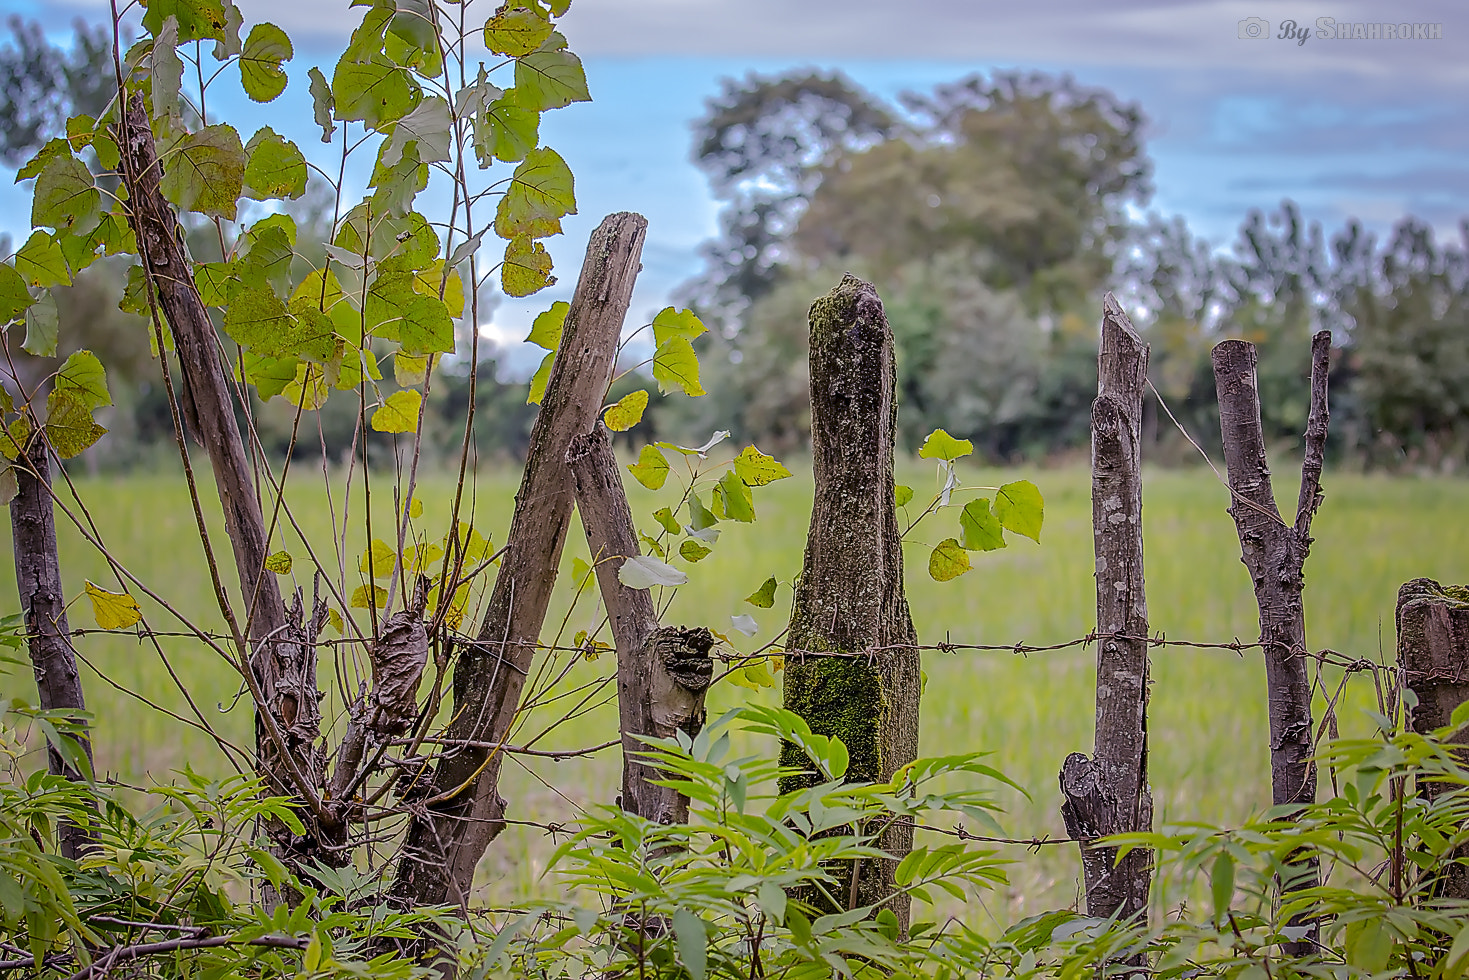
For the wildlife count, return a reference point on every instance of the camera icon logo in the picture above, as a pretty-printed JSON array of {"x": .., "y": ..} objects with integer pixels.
[{"x": 1254, "y": 28}]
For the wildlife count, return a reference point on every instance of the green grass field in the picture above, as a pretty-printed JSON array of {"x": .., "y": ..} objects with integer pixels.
[{"x": 1208, "y": 719}]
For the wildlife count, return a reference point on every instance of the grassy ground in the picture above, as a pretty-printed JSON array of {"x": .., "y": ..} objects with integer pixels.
[{"x": 1207, "y": 724}]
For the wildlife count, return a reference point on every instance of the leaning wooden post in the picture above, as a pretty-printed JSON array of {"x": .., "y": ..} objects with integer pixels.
[
  {"x": 1275, "y": 554},
  {"x": 1108, "y": 793},
  {"x": 662, "y": 672},
  {"x": 43, "y": 606},
  {"x": 448, "y": 837},
  {"x": 850, "y": 598},
  {"x": 1433, "y": 655}
]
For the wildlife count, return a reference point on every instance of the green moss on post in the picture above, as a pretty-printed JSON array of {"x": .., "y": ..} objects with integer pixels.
[{"x": 849, "y": 600}]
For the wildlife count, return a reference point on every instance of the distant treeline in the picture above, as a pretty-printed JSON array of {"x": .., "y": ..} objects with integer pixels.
[{"x": 991, "y": 213}]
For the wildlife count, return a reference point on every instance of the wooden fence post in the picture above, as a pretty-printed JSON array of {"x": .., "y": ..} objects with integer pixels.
[
  {"x": 1108, "y": 793},
  {"x": 662, "y": 672},
  {"x": 1275, "y": 554},
  {"x": 43, "y": 605},
  {"x": 1433, "y": 655},
  {"x": 446, "y": 840},
  {"x": 850, "y": 595}
]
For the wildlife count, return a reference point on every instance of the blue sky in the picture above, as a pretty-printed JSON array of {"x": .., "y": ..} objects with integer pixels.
[{"x": 1371, "y": 128}]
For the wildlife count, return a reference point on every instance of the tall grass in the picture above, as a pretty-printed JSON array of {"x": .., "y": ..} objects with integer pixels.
[{"x": 1207, "y": 724}]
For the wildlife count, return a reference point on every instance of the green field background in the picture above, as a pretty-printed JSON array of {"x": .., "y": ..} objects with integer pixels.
[{"x": 1208, "y": 736}]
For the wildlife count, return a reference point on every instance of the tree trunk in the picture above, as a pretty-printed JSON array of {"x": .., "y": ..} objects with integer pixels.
[
  {"x": 465, "y": 811},
  {"x": 1275, "y": 554},
  {"x": 43, "y": 605},
  {"x": 1433, "y": 654},
  {"x": 850, "y": 594},
  {"x": 662, "y": 673},
  {"x": 283, "y": 658},
  {"x": 1108, "y": 793}
]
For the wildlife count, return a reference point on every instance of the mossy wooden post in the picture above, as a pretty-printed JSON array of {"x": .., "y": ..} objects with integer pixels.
[
  {"x": 850, "y": 595},
  {"x": 1275, "y": 554},
  {"x": 1108, "y": 793},
  {"x": 1433, "y": 655}
]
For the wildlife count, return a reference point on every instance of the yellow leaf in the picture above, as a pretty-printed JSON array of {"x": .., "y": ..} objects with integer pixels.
[
  {"x": 627, "y": 412},
  {"x": 948, "y": 561},
  {"x": 335, "y": 618},
  {"x": 113, "y": 610},
  {"x": 398, "y": 412},
  {"x": 378, "y": 561},
  {"x": 651, "y": 469},
  {"x": 280, "y": 563},
  {"x": 360, "y": 594},
  {"x": 415, "y": 508}
]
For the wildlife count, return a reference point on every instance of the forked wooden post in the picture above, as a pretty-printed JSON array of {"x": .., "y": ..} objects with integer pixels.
[
  {"x": 662, "y": 672},
  {"x": 1275, "y": 554},
  {"x": 850, "y": 595},
  {"x": 1108, "y": 793},
  {"x": 1433, "y": 655}
]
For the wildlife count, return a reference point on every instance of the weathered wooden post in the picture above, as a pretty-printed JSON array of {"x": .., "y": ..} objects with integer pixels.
[
  {"x": 1433, "y": 655},
  {"x": 850, "y": 597},
  {"x": 662, "y": 672},
  {"x": 1275, "y": 554},
  {"x": 43, "y": 605},
  {"x": 447, "y": 839},
  {"x": 1108, "y": 793}
]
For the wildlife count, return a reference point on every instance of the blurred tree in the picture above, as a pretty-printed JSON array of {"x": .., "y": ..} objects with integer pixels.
[{"x": 41, "y": 85}]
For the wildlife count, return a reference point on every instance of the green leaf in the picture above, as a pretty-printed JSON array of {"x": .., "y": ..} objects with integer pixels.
[
  {"x": 375, "y": 91},
  {"x": 666, "y": 520},
  {"x": 280, "y": 563},
  {"x": 398, "y": 412},
  {"x": 15, "y": 298},
  {"x": 693, "y": 551},
  {"x": 540, "y": 380},
  {"x": 428, "y": 125},
  {"x": 16, "y": 437},
  {"x": 113, "y": 610},
  {"x": 675, "y": 365},
  {"x": 205, "y": 171},
  {"x": 693, "y": 942},
  {"x": 757, "y": 469},
  {"x": 1458, "y": 958},
  {"x": 676, "y": 323},
  {"x": 527, "y": 267},
  {"x": 260, "y": 62},
  {"x": 1221, "y": 884},
  {"x": 323, "y": 103},
  {"x": 82, "y": 377},
  {"x": 540, "y": 194},
  {"x": 308, "y": 388},
  {"x": 50, "y": 150},
  {"x": 700, "y": 517},
  {"x": 70, "y": 427},
  {"x": 197, "y": 19},
  {"x": 980, "y": 530},
  {"x": 1020, "y": 508},
  {"x": 739, "y": 505},
  {"x": 551, "y": 77},
  {"x": 66, "y": 197},
  {"x": 505, "y": 130},
  {"x": 902, "y": 495},
  {"x": 270, "y": 375},
  {"x": 259, "y": 321},
  {"x": 627, "y": 412},
  {"x": 1369, "y": 944},
  {"x": 763, "y": 597},
  {"x": 276, "y": 167},
  {"x": 426, "y": 327},
  {"x": 941, "y": 445},
  {"x": 167, "y": 72},
  {"x": 42, "y": 327},
  {"x": 651, "y": 469},
  {"x": 517, "y": 29},
  {"x": 41, "y": 263},
  {"x": 948, "y": 561},
  {"x": 546, "y": 330},
  {"x": 9, "y": 488}
]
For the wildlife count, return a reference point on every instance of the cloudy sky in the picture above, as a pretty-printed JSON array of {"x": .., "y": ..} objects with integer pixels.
[{"x": 1371, "y": 128}]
